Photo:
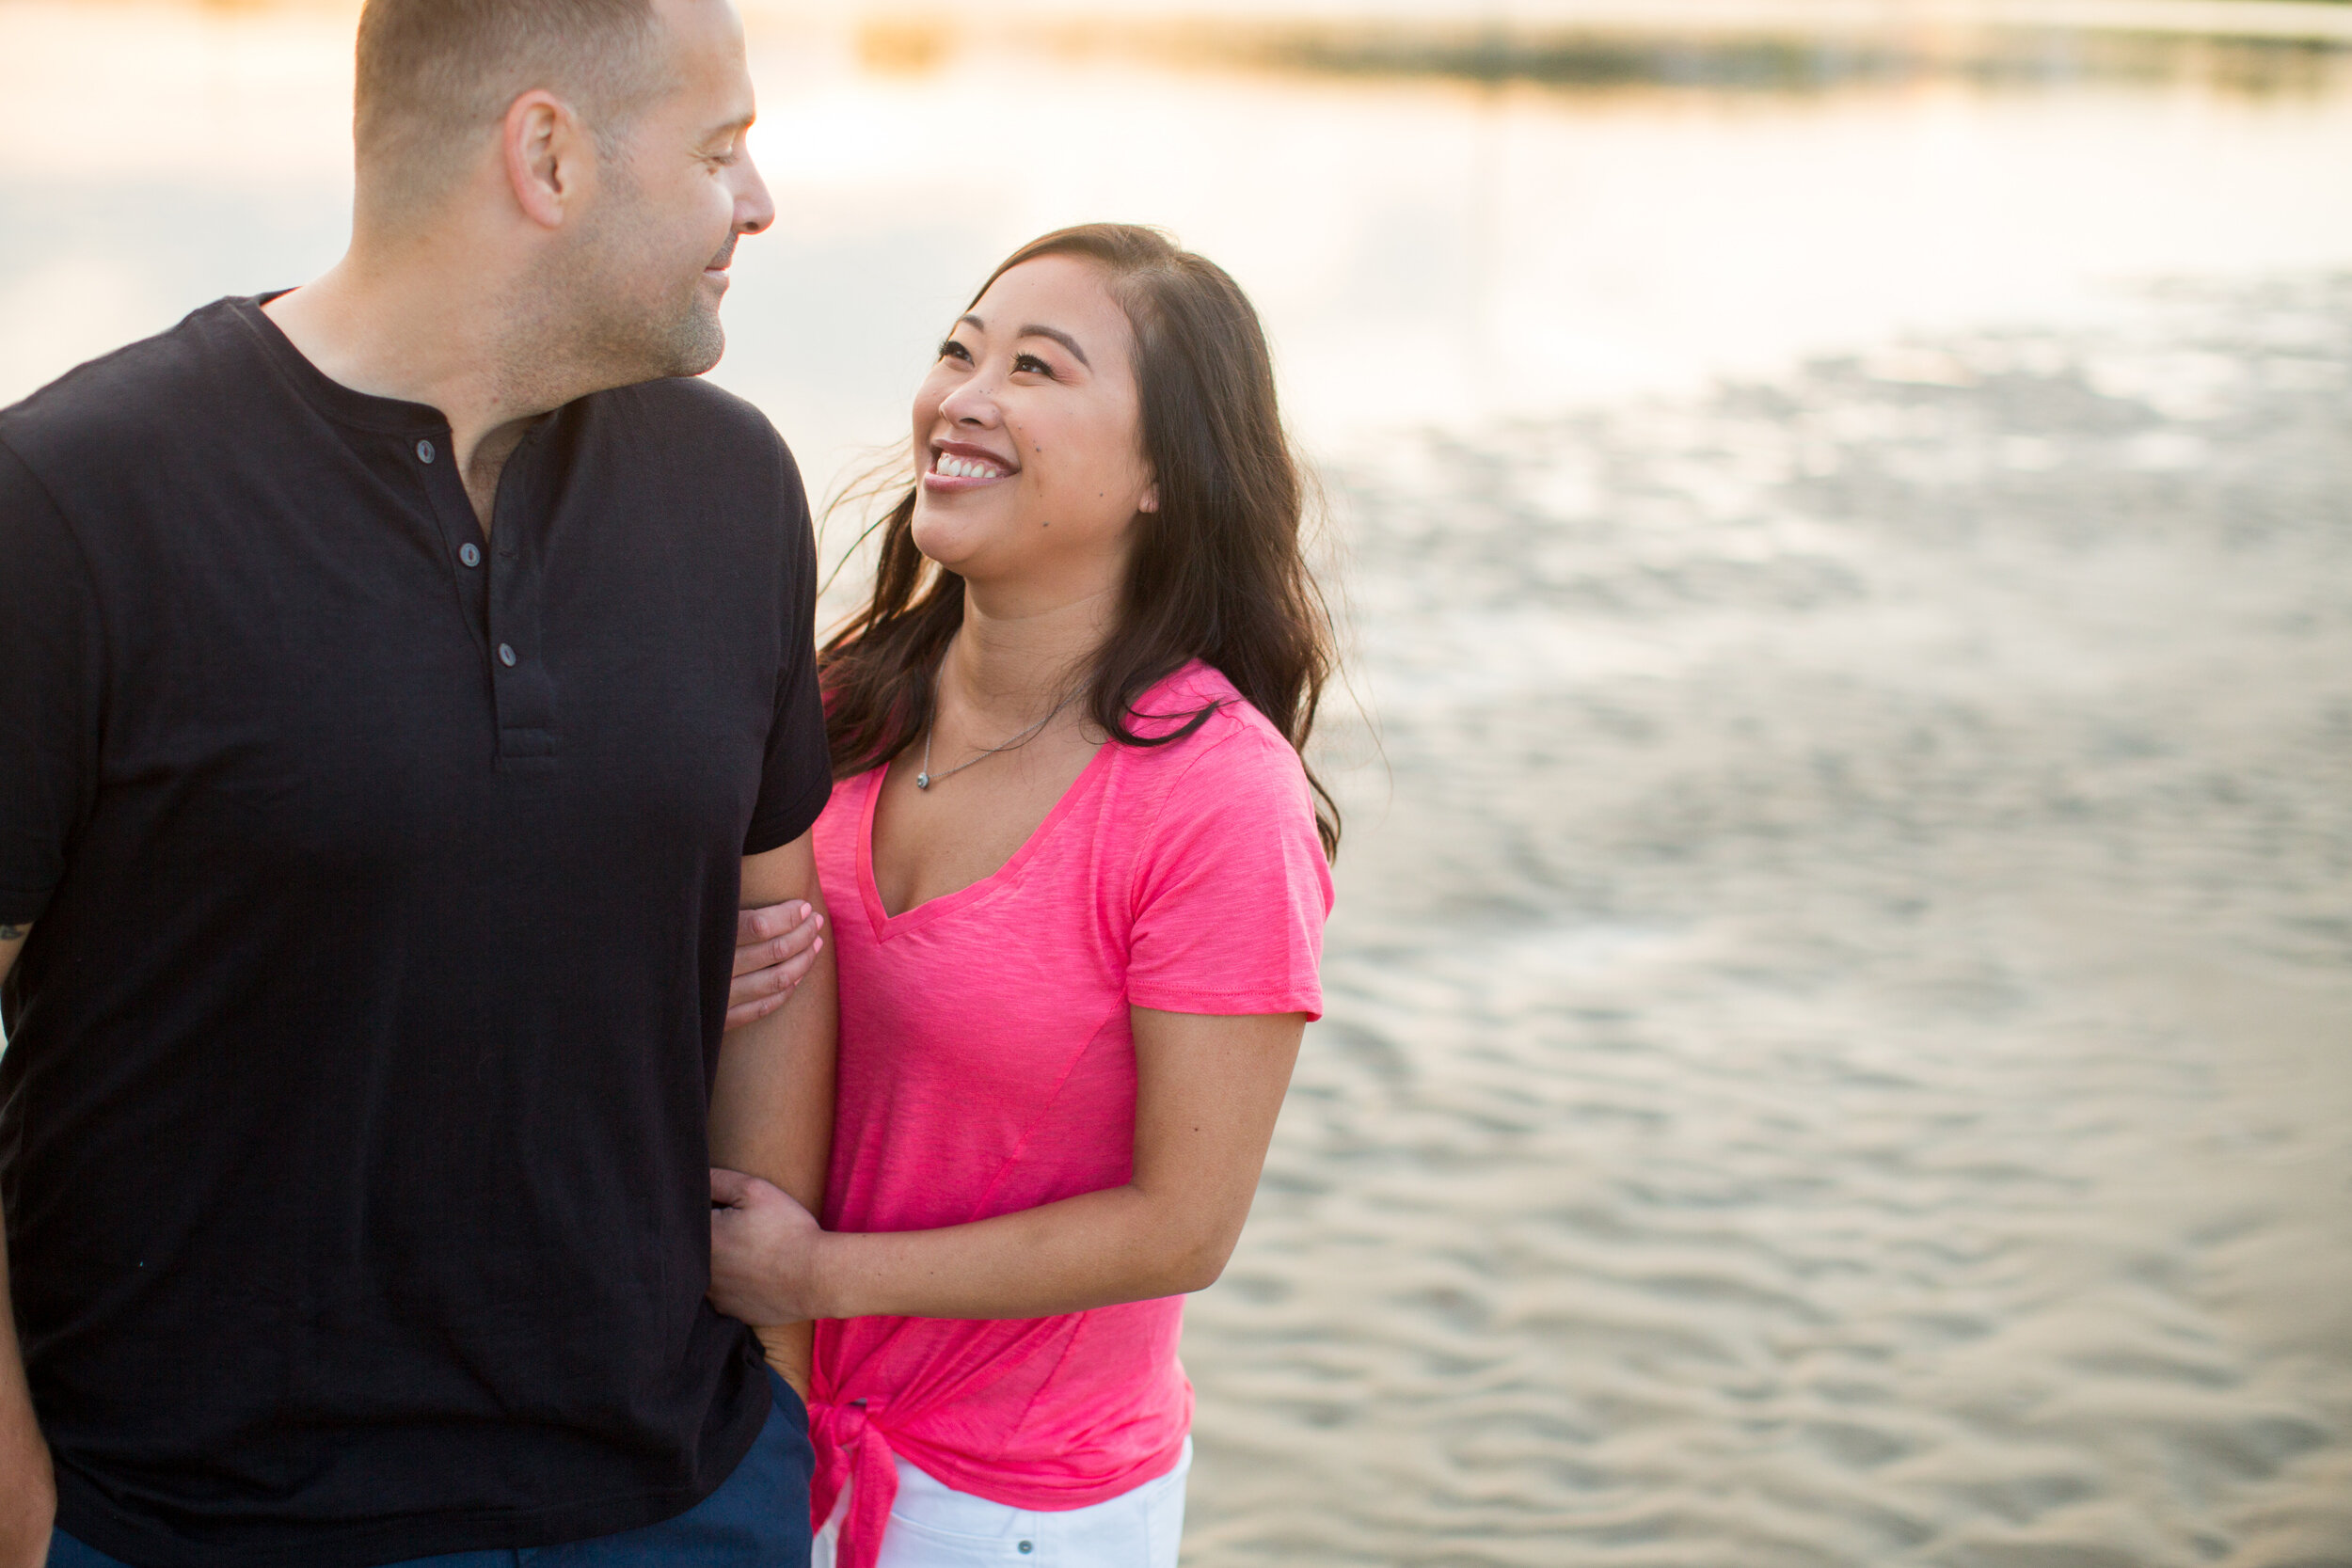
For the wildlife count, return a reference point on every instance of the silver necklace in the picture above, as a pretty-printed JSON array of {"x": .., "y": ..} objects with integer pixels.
[{"x": 925, "y": 779}]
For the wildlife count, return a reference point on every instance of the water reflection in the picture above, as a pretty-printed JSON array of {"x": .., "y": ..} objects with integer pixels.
[
  {"x": 1428, "y": 250},
  {"x": 1902, "y": 49}
]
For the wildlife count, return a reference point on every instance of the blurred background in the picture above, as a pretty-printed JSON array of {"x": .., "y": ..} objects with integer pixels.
[{"x": 1840, "y": 1014}]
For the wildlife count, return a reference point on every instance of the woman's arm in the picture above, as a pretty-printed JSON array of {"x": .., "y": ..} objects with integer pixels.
[
  {"x": 1207, "y": 1090},
  {"x": 772, "y": 1106}
]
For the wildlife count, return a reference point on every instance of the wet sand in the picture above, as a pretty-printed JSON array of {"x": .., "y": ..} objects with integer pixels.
[
  {"x": 1840, "y": 1012},
  {"x": 1839, "y": 1045}
]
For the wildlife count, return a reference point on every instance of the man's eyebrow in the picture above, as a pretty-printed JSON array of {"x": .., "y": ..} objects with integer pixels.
[{"x": 737, "y": 126}]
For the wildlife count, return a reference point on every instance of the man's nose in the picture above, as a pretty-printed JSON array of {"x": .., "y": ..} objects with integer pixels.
[{"x": 755, "y": 208}]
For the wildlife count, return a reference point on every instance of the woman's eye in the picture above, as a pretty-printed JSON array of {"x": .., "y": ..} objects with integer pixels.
[
  {"x": 953, "y": 349},
  {"x": 1031, "y": 363}
]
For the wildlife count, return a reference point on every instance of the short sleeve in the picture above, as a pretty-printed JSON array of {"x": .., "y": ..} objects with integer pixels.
[
  {"x": 52, "y": 675},
  {"x": 1232, "y": 887},
  {"x": 796, "y": 778}
]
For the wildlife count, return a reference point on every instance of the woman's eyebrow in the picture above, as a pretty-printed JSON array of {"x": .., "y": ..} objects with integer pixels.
[
  {"x": 1062, "y": 337},
  {"x": 1056, "y": 334}
]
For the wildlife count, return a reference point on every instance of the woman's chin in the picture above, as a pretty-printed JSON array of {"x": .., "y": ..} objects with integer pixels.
[{"x": 946, "y": 542}]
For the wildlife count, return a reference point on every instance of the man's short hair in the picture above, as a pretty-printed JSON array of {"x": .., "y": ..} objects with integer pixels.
[{"x": 434, "y": 74}]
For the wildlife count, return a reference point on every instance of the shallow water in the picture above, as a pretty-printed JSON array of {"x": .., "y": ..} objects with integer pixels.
[
  {"x": 1427, "y": 250},
  {"x": 1840, "y": 1027},
  {"x": 1840, "y": 1039}
]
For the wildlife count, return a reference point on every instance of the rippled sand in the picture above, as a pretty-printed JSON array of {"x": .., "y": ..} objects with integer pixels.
[{"x": 1840, "y": 1027}]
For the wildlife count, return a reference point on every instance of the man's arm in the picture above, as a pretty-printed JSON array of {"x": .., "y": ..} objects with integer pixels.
[
  {"x": 771, "y": 1111},
  {"x": 28, "y": 1488}
]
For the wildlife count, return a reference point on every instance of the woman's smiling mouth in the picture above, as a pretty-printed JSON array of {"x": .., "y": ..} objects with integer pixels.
[{"x": 957, "y": 467}]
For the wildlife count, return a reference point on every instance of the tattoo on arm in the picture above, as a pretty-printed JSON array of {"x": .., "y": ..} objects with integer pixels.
[{"x": 12, "y": 933}]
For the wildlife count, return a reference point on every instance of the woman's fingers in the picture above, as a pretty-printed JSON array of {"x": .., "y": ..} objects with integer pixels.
[
  {"x": 777, "y": 945},
  {"x": 772, "y": 933},
  {"x": 730, "y": 1188},
  {"x": 760, "y": 1250},
  {"x": 753, "y": 996}
]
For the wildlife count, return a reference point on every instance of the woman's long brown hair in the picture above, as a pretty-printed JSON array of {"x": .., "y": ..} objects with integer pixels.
[{"x": 1217, "y": 574}]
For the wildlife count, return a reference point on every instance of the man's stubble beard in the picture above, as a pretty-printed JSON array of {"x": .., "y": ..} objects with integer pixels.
[{"x": 606, "y": 315}]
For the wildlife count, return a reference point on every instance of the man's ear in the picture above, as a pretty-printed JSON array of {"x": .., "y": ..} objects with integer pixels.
[{"x": 545, "y": 147}]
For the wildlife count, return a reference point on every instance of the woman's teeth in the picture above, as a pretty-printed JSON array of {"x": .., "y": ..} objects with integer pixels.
[{"x": 965, "y": 467}]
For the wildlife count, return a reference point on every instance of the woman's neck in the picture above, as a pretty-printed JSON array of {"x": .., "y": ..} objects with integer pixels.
[{"x": 1013, "y": 665}]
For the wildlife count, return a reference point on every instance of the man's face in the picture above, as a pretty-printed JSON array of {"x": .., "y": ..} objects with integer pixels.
[{"x": 650, "y": 263}]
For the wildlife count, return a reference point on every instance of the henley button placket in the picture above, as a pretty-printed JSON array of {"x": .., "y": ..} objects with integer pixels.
[{"x": 500, "y": 601}]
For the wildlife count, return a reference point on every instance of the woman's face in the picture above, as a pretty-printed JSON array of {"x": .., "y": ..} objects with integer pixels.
[{"x": 1028, "y": 437}]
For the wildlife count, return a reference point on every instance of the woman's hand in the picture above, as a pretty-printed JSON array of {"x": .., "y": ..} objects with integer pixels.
[
  {"x": 775, "y": 948},
  {"x": 763, "y": 1252},
  {"x": 1208, "y": 1088}
]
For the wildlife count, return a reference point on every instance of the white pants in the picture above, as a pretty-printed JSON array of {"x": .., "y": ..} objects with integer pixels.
[{"x": 934, "y": 1525}]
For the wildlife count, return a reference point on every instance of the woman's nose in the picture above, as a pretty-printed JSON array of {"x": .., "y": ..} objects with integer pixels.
[{"x": 974, "y": 403}]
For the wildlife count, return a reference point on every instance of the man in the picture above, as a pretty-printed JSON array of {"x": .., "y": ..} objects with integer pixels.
[{"x": 399, "y": 679}]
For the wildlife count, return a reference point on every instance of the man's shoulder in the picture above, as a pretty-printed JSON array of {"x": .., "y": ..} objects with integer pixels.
[
  {"x": 121, "y": 406},
  {"x": 709, "y": 465},
  {"x": 689, "y": 397},
  {"x": 689, "y": 419}
]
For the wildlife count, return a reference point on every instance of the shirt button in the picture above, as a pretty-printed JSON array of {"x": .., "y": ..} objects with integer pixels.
[
  {"x": 425, "y": 452},
  {"x": 1027, "y": 1546},
  {"x": 470, "y": 554},
  {"x": 506, "y": 655}
]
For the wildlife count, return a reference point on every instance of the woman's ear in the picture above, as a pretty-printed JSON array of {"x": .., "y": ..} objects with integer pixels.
[{"x": 1151, "y": 498}]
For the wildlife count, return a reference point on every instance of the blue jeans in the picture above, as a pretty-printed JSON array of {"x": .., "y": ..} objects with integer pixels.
[{"x": 758, "y": 1518}]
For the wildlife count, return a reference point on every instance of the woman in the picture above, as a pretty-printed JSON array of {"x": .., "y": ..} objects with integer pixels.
[{"x": 1077, "y": 877}]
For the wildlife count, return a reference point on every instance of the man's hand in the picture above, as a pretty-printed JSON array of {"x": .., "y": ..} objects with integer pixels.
[
  {"x": 28, "y": 1491},
  {"x": 28, "y": 1496},
  {"x": 775, "y": 948},
  {"x": 763, "y": 1252},
  {"x": 25, "y": 1524}
]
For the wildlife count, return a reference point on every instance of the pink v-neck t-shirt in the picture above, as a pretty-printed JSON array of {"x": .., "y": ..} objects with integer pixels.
[{"x": 987, "y": 1065}]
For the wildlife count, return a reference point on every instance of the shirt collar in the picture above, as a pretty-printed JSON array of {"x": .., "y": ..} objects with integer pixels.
[{"x": 342, "y": 404}]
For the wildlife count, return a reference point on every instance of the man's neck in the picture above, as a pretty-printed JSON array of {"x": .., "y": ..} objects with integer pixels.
[{"x": 409, "y": 329}]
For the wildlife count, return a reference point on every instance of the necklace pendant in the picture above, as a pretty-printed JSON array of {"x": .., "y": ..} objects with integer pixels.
[{"x": 922, "y": 781}]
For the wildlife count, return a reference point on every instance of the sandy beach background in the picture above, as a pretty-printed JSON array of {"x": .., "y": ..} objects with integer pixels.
[
  {"x": 1841, "y": 1024},
  {"x": 1837, "y": 1045}
]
